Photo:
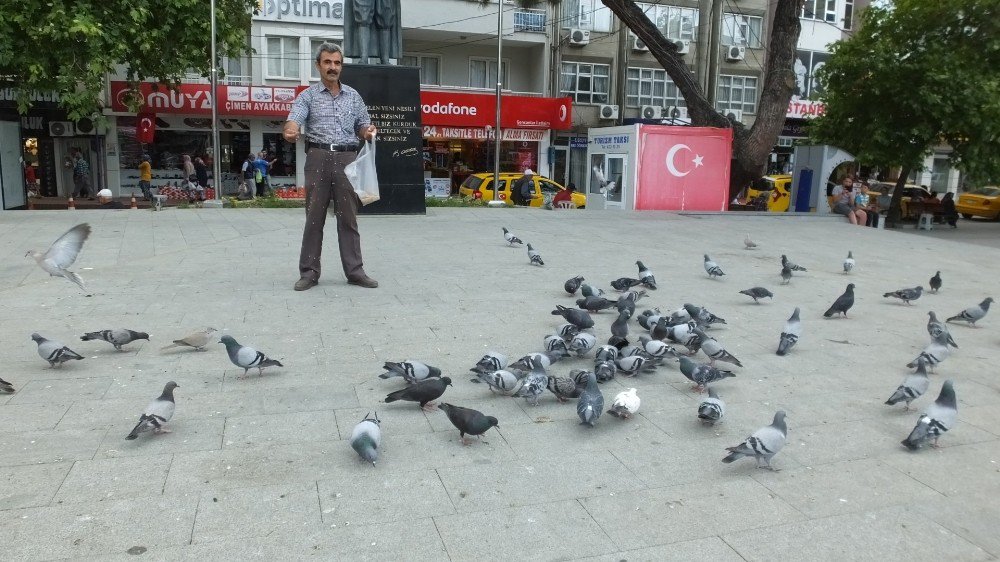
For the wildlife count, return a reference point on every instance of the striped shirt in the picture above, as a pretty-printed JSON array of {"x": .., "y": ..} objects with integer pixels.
[{"x": 328, "y": 118}]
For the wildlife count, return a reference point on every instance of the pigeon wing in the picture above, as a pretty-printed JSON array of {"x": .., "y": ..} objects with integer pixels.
[{"x": 64, "y": 251}]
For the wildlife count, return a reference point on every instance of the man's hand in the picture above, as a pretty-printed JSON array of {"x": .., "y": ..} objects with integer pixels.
[
  {"x": 291, "y": 131},
  {"x": 369, "y": 132}
]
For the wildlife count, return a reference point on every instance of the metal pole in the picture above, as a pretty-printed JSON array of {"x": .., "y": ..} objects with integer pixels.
[
  {"x": 216, "y": 169},
  {"x": 496, "y": 151}
]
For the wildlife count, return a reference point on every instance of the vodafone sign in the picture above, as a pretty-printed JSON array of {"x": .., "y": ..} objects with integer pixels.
[
  {"x": 195, "y": 99},
  {"x": 463, "y": 109}
]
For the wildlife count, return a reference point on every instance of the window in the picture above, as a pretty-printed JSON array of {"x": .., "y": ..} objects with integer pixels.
[
  {"x": 585, "y": 82},
  {"x": 737, "y": 92},
  {"x": 848, "y": 14},
  {"x": 586, "y": 14},
  {"x": 237, "y": 72},
  {"x": 429, "y": 73},
  {"x": 314, "y": 44},
  {"x": 821, "y": 10},
  {"x": 483, "y": 73},
  {"x": 282, "y": 57},
  {"x": 741, "y": 30},
  {"x": 674, "y": 22},
  {"x": 651, "y": 86}
]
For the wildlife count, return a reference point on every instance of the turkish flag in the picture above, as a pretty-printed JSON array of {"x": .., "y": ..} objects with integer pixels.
[
  {"x": 683, "y": 168},
  {"x": 145, "y": 127}
]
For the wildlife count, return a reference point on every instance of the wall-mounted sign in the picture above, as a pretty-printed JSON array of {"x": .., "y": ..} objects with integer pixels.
[{"x": 326, "y": 12}]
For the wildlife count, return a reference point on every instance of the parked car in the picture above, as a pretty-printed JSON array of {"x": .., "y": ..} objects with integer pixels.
[
  {"x": 777, "y": 188},
  {"x": 909, "y": 192},
  {"x": 544, "y": 188},
  {"x": 982, "y": 202}
]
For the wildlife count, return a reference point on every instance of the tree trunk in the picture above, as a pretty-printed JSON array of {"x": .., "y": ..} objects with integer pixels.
[{"x": 892, "y": 218}]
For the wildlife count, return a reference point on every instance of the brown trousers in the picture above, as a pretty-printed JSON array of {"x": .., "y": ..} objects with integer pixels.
[{"x": 325, "y": 181}]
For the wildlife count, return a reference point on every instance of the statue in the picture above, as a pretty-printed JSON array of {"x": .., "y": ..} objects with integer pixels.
[{"x": 372, "y": 27}]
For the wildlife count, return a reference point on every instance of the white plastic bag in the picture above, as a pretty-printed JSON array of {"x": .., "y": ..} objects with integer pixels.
[{"x": 361, "y": 173}]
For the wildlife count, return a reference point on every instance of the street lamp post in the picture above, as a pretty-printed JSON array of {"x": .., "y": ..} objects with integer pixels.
[
  {"x": 496, "y": 131},
  {"x": 216, "y": 168}
]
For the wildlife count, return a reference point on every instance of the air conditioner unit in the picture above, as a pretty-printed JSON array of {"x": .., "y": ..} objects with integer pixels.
[
  {"x": 61, "y": 129},
  {"x": 579, "y": 37},
  {"x": 683, "y": 47},
  {"x": 734, "y": 114},
  {"x": 87, "y": 126},
  {"x": 638, "y": 46},
  {"x": 651, "y": 112},
  {"x": 736, "y": 53},
  {"x": 675, "y": 112},
  {"x": 608, "y": 111}
]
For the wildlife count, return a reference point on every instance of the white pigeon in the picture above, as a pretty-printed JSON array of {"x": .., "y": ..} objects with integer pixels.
[
  {"x": 849, "y": 262},
  {"x": 62, "y": 253},
  {"x": 712, "y": 408},
  {"x": 366, "y": 438},
  {"x": 763, "y": 444},
  {"x": 712, "y": 268},
  {"x": 750, "y": 244},
  {"x": 625, "y": 404},
  {"x": 157, "y": 413},
  {"x": 197, "y": 340}
]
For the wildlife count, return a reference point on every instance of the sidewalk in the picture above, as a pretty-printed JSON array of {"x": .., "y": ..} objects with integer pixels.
[{"x": 261, "y": 469}]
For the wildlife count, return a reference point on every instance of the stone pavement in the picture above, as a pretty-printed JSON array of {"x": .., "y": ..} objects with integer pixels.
[{"x": 261, "y": 469}]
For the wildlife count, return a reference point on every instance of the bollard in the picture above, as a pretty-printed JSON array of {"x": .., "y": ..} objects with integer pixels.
[
  {"x": 134, "y": 204},
  {"x": 71, "y": 204}
]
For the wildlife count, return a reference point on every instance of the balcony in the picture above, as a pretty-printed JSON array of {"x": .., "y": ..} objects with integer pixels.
[{"x": 529, "y": 20}]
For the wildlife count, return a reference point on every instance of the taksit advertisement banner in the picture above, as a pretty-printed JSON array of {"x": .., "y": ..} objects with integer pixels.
[{"x": 683, "y": 168}]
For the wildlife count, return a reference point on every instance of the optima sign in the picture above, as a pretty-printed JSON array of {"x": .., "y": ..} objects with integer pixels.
[{"x": 329, "y": 12}]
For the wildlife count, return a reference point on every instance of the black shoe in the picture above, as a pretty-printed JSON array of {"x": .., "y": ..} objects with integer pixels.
[
  {"x": 305, "y": 284},
  {"x": 365, "y": 281}
]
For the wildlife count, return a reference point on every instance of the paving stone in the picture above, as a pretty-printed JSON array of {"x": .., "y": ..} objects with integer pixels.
[
  {"x": 31, "y": 485},
  {"x": 48, "y": 446},
  {"x": 383, "y": 497},
  {"x": 255, "y": 512},
  {"x": 712, "y": 548},
  {"x": 114, "y": 479}
]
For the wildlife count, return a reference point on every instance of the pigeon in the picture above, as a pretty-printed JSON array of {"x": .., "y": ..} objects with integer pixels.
[
  {"x": 681, "y": 314},
  {"x": 582, "y": 343},
  {"x": 545, "y": 359},
  {"x": 763, "y": 444},
  {"x": 590, "y": 291},
  {"x": 556, "y": 345},
  {"x": 117, "y": 338},
  {"x": 411, "y": 371},
  {"x": 157, "y": 413},
  {"x": 502, "y": 381},
  {"x": 660, "y": 329},
  {"x": 702, "y": 316},
  {"x": 534, "y": 258},
  {"x": 906, "y": 295},
  {"x": 564, "y": 388},
  {"x": 914, "y": 385},
  {"x": 247, "y": 357},
  {"x": 633, "y": 364},
  {"x": 605, "y": 353},
  {"x": 938, "y": 418},
  {"x": 625, "y": 404},
  {"x": 578, "y": 318},
  {"x": 785, "y": 262},
  {"x": 6, "y": 386},
  {"x": 62, "y": 253},
  {"x": 591, "y": 402},
  {"x": 712, "y": 268},
  {"x": 625, "y": 283},
  {"x": 469, "y": 421},
  {"x": 646, "y": 276},
  {"x": 939, "y": 330},
  {"x": 714, "y": 350},
  {"x": 711, "y": 409},
  {"x": 198, "y": 340},
  {"x": 490, "y": 362},
  {"x": 423, "y": 392},
  {"x": 786, "y": 275},
  {"x": 935, "y": 282},
  {"x": 849, "y": 262},
  {"x": 534, "y": 384},
  {"x": 973, "y": 314},
  {"x": 510, "y": 238},
  {"x": 648, "y": 317},
  {"x": 701, "y": 375},
  {"x": 656, "y": 349},
  {"x": 594, "y": 304},
  {"x": 748, "y": 243},
  {"x": 619, "y": 327},
  {"x": 626, "y": 302},
  {"x": 757, "y": 293},
  {"x": 54, "y": 352},
  {"x": 567, "y": 331},
  {"x": 843, "y": 303},
  {"x": 685, "y": 335},
  {"x": 934, "y": 353},
  {"x": 572, "y": 285},
  {"x": 366, "y": 438},
  {"x": 605, "y": 370},
  {"x": 790, "y": 334},
  {"x": 631, "y": 351}
]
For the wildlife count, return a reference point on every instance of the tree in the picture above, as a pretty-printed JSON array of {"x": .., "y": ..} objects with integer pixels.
[
  {"x": 69, "y": 47},
  {"x": 916, "y": 74}
]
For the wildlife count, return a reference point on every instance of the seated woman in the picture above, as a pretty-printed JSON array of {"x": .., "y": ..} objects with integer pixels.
[
  {"x": 844, "y": 203},
  {"x": 564, "y": 195}
]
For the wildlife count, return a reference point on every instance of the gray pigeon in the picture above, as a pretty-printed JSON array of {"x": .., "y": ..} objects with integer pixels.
[
  {"x": 711, "y": 409},
  {"x": 714, "y": 350},
  {"x": 646, "y": 276},
  {"x": 702, "y": 375},
  {"x": 790, "y": 334},
  {"x": 849, "y": 262},
  {"x": 763, "y": 444},
  {"x": 605, "y": 353},
  {"x": 619, "y": 327},
  {"x": 510, "y": 238},
  {"x": 492, "y": 361},
  {"x": 6, "y": 386},
  {"x": 661, "y": 328},
  {"x": 935, "y": 282},
  {"x": 564, "y": 388},
  {"x": 502, "y": 381},
  {"x": 556, "y": 345},
  {"x": 423, "y": 392},
  {"x": 544, "y": 358},
  {"x": 157, "y": 413},
  {"x": 582, "y": 343},
  {"x": 591, "y": 402},
  {"x": 366, "y": 438},
  {"x": 914, "y": 385},
  {"x": 567, "y": 331},
  {"x": 757, "y": 293},
  {"x": 117, "y": 337},
  {"x": 906, "y": 295},
  {"x": 933, "y": 354},
  {"x": 469, "y": 421},
  {"x": 62, "y": 253},
  {"x": 54, "y": 352},
  {"x": 534, "y": 258},
  {"x": 198, "y": 340},
  {"x": 843, "y": 303},
  {"x": 590, "y": 291},
  {"x": 938, "y": 418},
  {"x": 685, "y": 335},
  {"x": 625, "y": 283},
  {"x": 579, "y": 318},
  {"x": 702, "y": 316},
  {"x": 247, "y": 357},
  {"x": 785, "y": 262},
  {"x": 656, "y": 349},
  {"x": 634, "y": 364},
  {"x": 786, "y": 275},
  {"x": 712, "y": 268},
  {"x": 594, "y": 304},
  {"x": 534, "y": 384},
  {"x": 682, "y": 314},
  {"x": 412, "y": 371},
  {"x": 572, "y": 285},
  {"x": 973, "y": 314},
  {"x": 625, "y": 404},
  {"x": 605, "y": 370},
  {"x": 939, "y": 330}
]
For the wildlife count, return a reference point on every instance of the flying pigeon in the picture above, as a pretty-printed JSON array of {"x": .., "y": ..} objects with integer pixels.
[
  {"x": 247, "y": 357},
  {"x": 935, "y": 282},
  {"x": 490, "y": 362},
  {"x": 714, "y": 350},
  {"x": 591, "y": 402},
  {"x": 605, "y": 370},
  {"x": 510, "y": 238},
  {"x": 625, "y": 283},
  {"x": 914, "y": 385},
  {"x": 411, "y": 371},
  {"x": 712, "y": 268},
  {"x": 572, "y": 285},
  {"x": 619, "y": 327},
  {"x": 938, "y": 330},
  {"x": 786, "y": 275},
  {"x": 567, "y": 331},
  {"x": 54, "y": 352},
  {"x": 366, "y": 438},
  {"x": 556, "y": 345},
  {"x": 470, "y": 421},
  {"x": 790, "y": 334},
  {"x": 757, "y": 293},
  {"x": 934, "y": 353},
  {"x": 564, "y": 388},
  {"x": 6, "y": 386},
  {"x": 594, "y": 304},
  {"x": 424, "y": 392},
  {"x": 646, "y": 276},
  {"x": 748, "y": 243},
  {"x": 590, "y": 291},
  {"x": 702, "y": 375},
  {"x": 973, "y": 314},
  {"x": 198, "y": 340},
  {"x": 763, "y": 444},
  {"x": 62, "y": 253},
  {"x": 711, "y": 409},
  {"x": 582, "y": 343},
  {"x": 117, "y": 337},
  {"x": 785, "y": 262},
  {"x": 502, "y": 381},
  {"x": 157, "y": 413},
  {"x": 633, "y": 364},
  {"x": 578, "y": 318},
  {"x": 849, "y": 262},
  {"x": 534, "y": 257},
  {"x": 843, "y": 303},
  {"x": 625, "y": 404},
  {"x": 938, "y": 418},
  {"x": 605, "y": 353},
  {"x": 906, "y": 295}
]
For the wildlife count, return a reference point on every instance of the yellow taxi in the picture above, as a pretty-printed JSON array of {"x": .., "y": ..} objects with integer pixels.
[
  {"x": 982, "y": 202},
  {"x": 779, "y": 186},
  {"x": 545, "y": 189}
]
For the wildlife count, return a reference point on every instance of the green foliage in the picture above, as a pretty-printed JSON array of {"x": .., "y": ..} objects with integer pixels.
[
  {"x": 454, "y": 202},
  {"x": 69, "y": 46},
  {"x": 270, "y": 202}
]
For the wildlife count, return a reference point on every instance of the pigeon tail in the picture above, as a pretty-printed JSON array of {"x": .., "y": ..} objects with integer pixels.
[{"x": 76, "y": 279}]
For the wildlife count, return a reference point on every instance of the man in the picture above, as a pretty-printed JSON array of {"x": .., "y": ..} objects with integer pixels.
[
  {"x": 106, "y": 199},
  {"x": 523, "y": 190},
  {"x": 336, "y": 117},
  {"x": 81, "y": 175},
  {"x": 262, "y": 165},
  {"x": 145, "y": 177}
]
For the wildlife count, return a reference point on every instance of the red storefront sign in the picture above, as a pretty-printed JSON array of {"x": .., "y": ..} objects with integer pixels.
[
  {"x": 464, "y": 109},
  {"x": 472, "y": 133},
  {"x": 194, "y": 99}
]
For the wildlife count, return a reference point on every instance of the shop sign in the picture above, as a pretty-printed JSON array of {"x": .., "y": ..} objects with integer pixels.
[
  {"x": 8, "y": 98},
  {"x": 578, "y": 142},
  {"x": 611, "y": 142},
  {"x": 804, "y": 109},
  {"x": 326, "y": 12},
  {"x": 472, "y": 133},
  {"x": 466, "y": 109},
  {"x": 195, "y": 99}
]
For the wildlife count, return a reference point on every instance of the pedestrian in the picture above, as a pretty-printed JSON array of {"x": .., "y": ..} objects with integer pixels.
[
  {"x": 201, "y": 172},
  {"x": 336, "y": 117},
  {"x": 145, "y": 177},
  {"x": 107, "y": 200},
  {"x": 249, "y": 185},
  {"x": 81, "y": 176},
  {"x": 190, "y": 178},
  {"x": 948, "y": 212},
  {"x": 262, "y": 169},
  {"x": 844, "y": 203},
  {"x": 523, "y": 190}
]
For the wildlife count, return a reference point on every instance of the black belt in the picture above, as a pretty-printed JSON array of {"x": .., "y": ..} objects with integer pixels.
[{"x": 335, "y": 147}]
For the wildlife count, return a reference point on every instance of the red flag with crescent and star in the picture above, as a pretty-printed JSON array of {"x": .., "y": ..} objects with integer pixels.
[
  {"x": 145, "y": 127},
  {"x": 683, "y": 168}
]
